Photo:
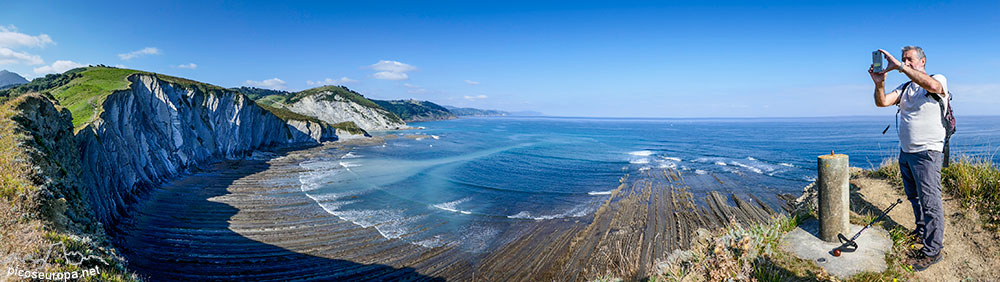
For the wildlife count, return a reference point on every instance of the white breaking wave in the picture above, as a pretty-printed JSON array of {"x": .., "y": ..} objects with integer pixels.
[
  {"x": 698, "y": 171},
  {"x": 751, "y": 159},
  {"x": 668, "y": 165},
  {"x": 435, "y": 137},
  {"x": 574, "y": 212},
  {"x": 786, "y": 164},
  {"x": 349, "y": 164},
  {"x": 595, "y": 193},
  {"x": 453, "y": 206},
  {"x": 643, "y": 153},
  {"x": 350, "y": 155},
  {"x": 639, "y": 161},
  {"x": 672, "y": 159},
  {"x": 720, "y": 163},
  {"x": 751, "y": 168}
]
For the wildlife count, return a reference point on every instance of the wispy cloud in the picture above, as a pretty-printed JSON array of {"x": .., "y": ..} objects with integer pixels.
[
  {"x": 330, "y": 81},
  {"x": 58, "y": 66},
  {"x": 392, "y": 70},
  {"x": 274, "y": 83},
  {"x": 187, "y": 66},
  {"x": 473, "y": 98},
  {"x": 9, "y": 37},
  {"x": 414, "y": 89},
  {"x": 470, "y": 82},
  {"x": 8, "y": 56},
  {"x": 139, "y": 53}
]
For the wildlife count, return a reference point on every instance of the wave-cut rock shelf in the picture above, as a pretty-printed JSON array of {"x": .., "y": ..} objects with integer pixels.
[{"x": 248, "y": 220}]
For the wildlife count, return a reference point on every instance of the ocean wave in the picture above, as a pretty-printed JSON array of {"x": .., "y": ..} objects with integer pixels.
[
  {"x": 720, "y": 163},
  {"x": 667, "y": 165},
  {"x": 350, "y": 155},
  {"x": 574, "y": 212},
  {"x": 436, "y": 137},
  {"x": 672, "y": 159},
  {"x": 643, "y": 153},
  {"x": 786, "y": 164},
  {"x": 749, "y": 167},
  {"x": 751, "y": 159},
  {"x": 596, "y": 193},
  {"x": 453, "y": 206},
  {"x": 639, "y": 161},
  {"x": 698, "y": 171}
]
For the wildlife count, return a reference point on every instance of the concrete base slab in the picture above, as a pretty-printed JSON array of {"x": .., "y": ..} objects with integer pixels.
[{"x": 873, "y": 244}]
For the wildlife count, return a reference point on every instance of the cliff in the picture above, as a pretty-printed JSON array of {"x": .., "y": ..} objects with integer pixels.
[
  {"x": 43, "y": 203},
  {"x": 335, "y": 104},
  {"x": 154, "y": 130},
  {"x": 414, "y": 110}
]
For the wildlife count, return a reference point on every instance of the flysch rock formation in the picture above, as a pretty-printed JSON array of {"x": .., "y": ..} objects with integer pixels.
[
  {"x": 339, "y": 109},
  {"x": 156, "y": 130}
]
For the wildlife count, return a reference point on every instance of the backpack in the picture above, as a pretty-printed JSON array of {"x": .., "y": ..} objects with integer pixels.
[{"x": 947, "y": 120}]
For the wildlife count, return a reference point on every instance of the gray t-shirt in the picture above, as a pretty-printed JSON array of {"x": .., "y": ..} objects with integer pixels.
[{"x": 920, "y": 127}]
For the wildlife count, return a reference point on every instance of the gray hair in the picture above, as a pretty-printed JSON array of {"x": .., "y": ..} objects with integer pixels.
[{"x": 920, "y": 51}]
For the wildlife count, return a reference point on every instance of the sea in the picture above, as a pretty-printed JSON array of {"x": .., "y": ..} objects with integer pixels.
[{"x": 473, "y": 182}]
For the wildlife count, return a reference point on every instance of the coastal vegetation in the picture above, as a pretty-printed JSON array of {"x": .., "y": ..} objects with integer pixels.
[
  {"x": 414, "y": 110},
  {"x": 42, "y": 214}
]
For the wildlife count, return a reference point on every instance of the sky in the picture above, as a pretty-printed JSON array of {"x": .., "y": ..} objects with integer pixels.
[{"x": 573, "y": 58}]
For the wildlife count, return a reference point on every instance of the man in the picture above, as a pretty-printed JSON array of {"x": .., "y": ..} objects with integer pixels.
[{"x": 921, "y": 142}]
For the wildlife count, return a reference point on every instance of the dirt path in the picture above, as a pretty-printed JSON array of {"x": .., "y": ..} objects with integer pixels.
[{"x": 971, "y": 253}]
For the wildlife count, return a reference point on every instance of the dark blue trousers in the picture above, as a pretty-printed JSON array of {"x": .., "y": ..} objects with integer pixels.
[{"x": 922, "y": 183}]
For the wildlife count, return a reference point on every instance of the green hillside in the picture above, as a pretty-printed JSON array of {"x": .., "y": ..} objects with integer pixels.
[{"x": 413, "y": 110}]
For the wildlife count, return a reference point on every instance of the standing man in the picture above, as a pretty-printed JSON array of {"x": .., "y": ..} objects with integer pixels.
[{"x": 921, "y": 142}]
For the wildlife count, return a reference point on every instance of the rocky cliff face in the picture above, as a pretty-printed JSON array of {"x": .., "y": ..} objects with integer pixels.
[
  {"x": 335, "y": 109},
  {"x": 155, "y": 130}
]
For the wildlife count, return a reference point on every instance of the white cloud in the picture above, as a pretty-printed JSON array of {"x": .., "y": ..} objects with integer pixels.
[
  {"x": 9, "y": 37},
  {"x": 388, "y": 75},
  {"x": 274, "y": 83},
  {"x": 330, "y": 81},
  {"x": 473, "y": 98},
  {"x": 121, "y": 66},
  {"x": 58, "y": 66},
  {"x": 8, "y": 56},
  {"x": 392, "y": 66},
  {"x": 187, "y": 66},
  {"x": 470, "y": 82},
  {"x": 144, "y": 51},
  {"x": 392, "y": 70}
]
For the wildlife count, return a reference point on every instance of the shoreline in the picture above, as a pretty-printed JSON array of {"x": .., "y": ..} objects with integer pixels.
[{"x": 249, "y": 220}]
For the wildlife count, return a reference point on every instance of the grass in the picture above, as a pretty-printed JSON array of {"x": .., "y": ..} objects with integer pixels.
[
  {"x": 27, "y": 223},
  {"x": 977, "y": 184},
  {"x": 350, "y": 127}
]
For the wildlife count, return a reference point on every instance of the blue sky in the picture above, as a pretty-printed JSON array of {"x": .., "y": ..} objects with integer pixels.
[{"x": 639, "y": 59}]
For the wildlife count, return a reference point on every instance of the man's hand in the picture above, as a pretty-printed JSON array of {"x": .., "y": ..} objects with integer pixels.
[
  {"x": 877, "y": 77},
  {"x": 893, "y": 63}
]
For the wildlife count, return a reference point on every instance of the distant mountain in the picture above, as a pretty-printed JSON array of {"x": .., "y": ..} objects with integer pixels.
[
  {"x": 10, "y": 79},
  {"x": 473, "y": 112},
  {"x": 414, "y": 110}
]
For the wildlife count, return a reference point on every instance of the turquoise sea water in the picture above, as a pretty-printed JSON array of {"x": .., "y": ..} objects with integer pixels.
[{"x": 473, "y": 181}]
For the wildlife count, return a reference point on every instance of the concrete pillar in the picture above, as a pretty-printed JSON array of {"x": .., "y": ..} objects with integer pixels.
[{"x": 834, "y": 196}]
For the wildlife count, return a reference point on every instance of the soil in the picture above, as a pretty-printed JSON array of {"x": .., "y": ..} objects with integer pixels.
[{"x": 970, "y": 252}]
